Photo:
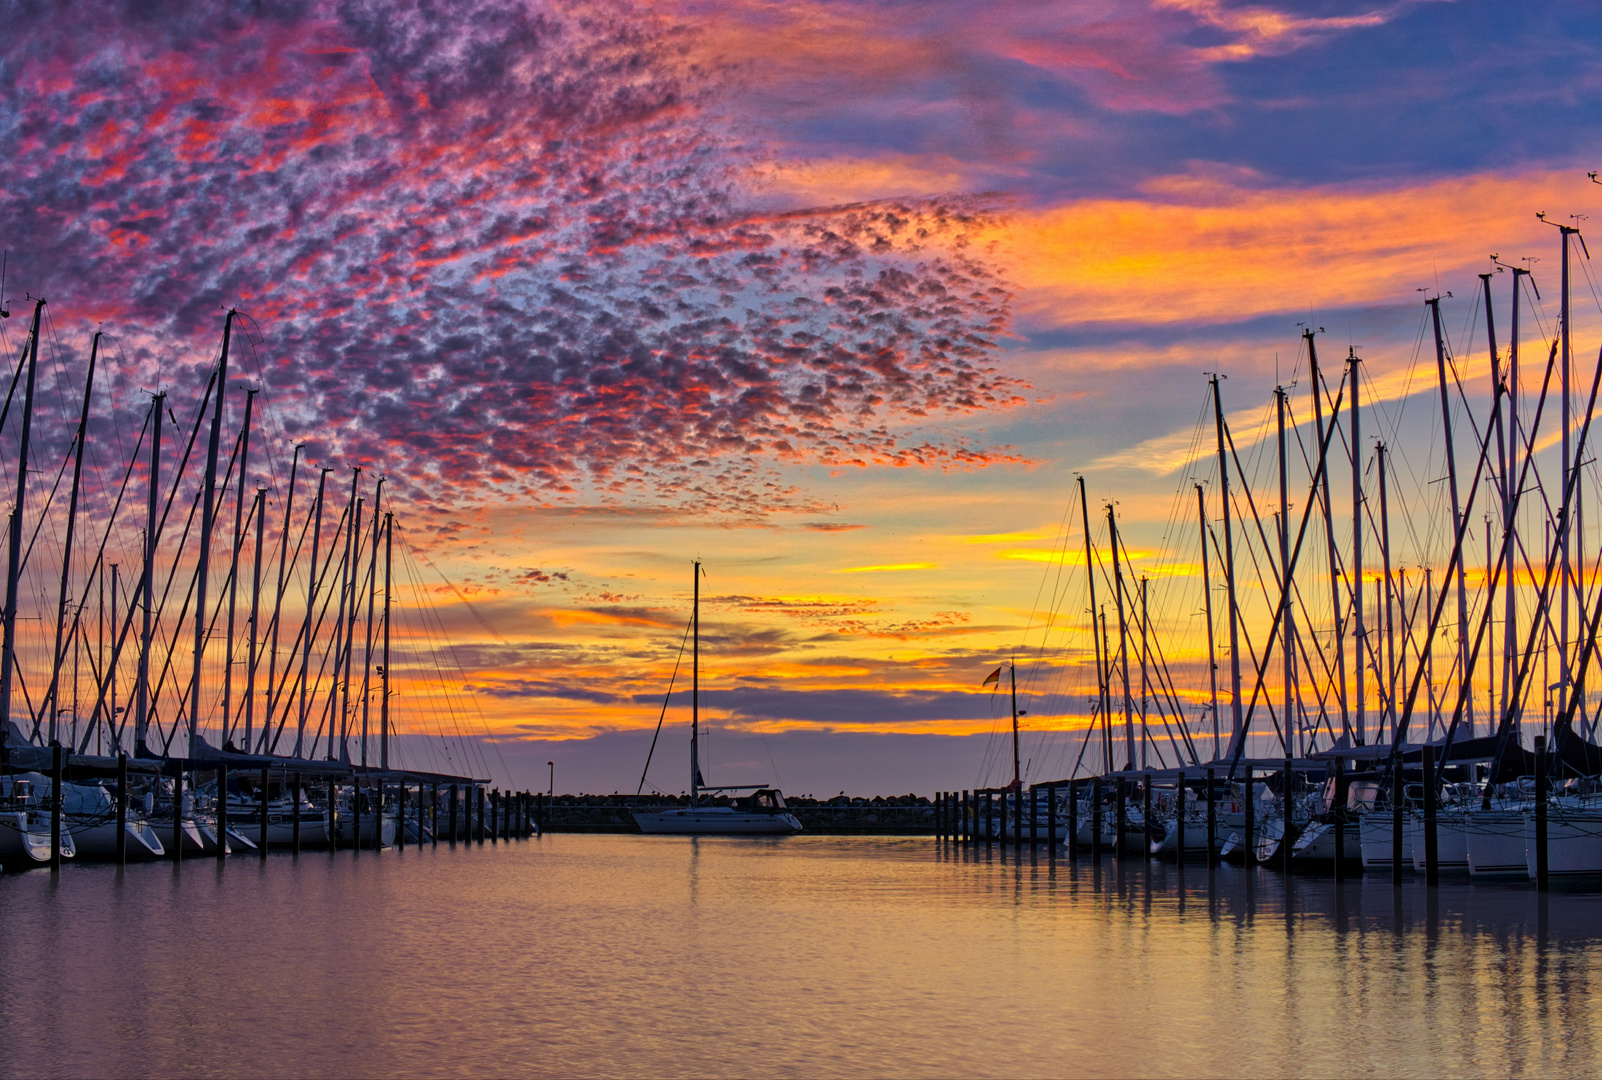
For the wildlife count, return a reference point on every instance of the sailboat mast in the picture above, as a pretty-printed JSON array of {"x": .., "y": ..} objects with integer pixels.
[
  {"x": 1207, "y": 605},
  {"x": 311, "y": 597},
  {"x": 1102, "y": 693},
  {"x": 1145, "y": 677},
  {"x": 259, "y": 511},
  {"x": 278, "y": 596},
  {"x": 1338, "y": 626},
  {"x": 1237, "y": 731},
  {"x": 695, "y": 689},
  {"x": 1509, "y": 642},
  {"x": 1123, "y": 639},
  {"x": 1106, "y": 679},
  {"x": 147, "y": 581},
  {"x": 8, "y": 646},
  {"x": 1387, "y": 611},
  {"x": 1503, "y": 488},
  {"x": 1359, "y": 636},
  {"x": 1565, "y": 575},
  {"x": 207, "y": 523},
  {"x": 1287, "y": 736},
  {"x": 383, "y": 702},
  {"x": 372, "y": 589},
  {"x": 66, "y": 547},
  {"x": 233, "y": 569},
  {"x": 1457, "y": 511},
  {"x": 1017, "y": 773}
]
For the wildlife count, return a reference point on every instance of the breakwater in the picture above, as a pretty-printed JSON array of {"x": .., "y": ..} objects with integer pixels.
[{"x": 894, "y": 815}]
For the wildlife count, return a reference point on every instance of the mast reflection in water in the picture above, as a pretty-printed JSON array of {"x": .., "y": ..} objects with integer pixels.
[{"x": 633, "y": 956}]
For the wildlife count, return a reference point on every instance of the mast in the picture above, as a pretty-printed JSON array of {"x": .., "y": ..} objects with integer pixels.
[
  {"x": 1145, "y": 679},
  {"x": 147, "y": 579},
  {"x": 347, "y": 714},
  {"x": 1565, "y": 575},
  {"x": 1359, "y": 635},
  {"x": 278, "y": 597},
  {"x": 111, "y": 673},
  {"x": 1106, "y": 717},
  {"x": 1387, "y": 611},
  {"x": 66, "y": 547},
  {"x": 695, "y": 690},
  {"x": 1103, "y": 692},
  {"x": 311, "y": 596},
  {"x": 1284, "y": 583},
  {"x": 1123, "y": 639},
  {"x": 259, "y": 512},
  {"x": 1457, "y": 511},
  {"x": 1509, "y": 638},
  {"x": 1503, "y": 489},
  {"x": 1338, "y": 624},
  {"x": 1207, "y": 598},
  {"x": 8, "y": 646},
  {"x": 372, "y": 588},
  {"x": 233, "y": 569},
  {"x": 383, "y": 672},
  {"x": 1017, "y": 773},
  {"x": 1237, "y": 731},
  {"x": 207, "y": 523}
]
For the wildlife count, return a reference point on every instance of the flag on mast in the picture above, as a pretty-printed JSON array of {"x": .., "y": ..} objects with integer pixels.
[{"x": 993, "y": 677}]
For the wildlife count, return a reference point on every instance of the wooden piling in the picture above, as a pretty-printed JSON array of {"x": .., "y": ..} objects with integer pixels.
[
  {"x": 1542, "y": 869},
  {"x": 1286, "y": 841},
  {"x": 1249, "y": 806},
  {"x": 481, "y": 800},
  {"x": 433, "y": 815},
  {"x": 294, "y": 816},
  {"x": 1017, "y": 819},
  {"x": 1432, "y": 865},
  {"x": 1212, "y": 815},
  {"x": 178, "y": 816},
  {"x": 1034, "y": 816},
  {"x": 453, "y": 815},
  {"x": 1338, "y": 816},
  {"x": 356, "y": 814},
  {"x": 1051, "y": 817},
  {"x": 333, "y": 835},
  {"x": 261, "y": 847},
  {"x": 400, "y": 810},
  {"x": 1095, "y": 818},
  {"x": 1145, "y": 812},
  {"x": 57, "y": 799},
  {"x": 122, "y": 808},
  {"x": 378, "y": 815},
  {"x": 1120, "y": 819},
  {"x": 222, "y": 811},
  {"x": 1396, "y": 821},
  {"x": 1179, "y": 818}
]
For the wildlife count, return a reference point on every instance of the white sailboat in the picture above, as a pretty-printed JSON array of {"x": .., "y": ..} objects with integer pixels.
[{"x": 761, "y": 813}]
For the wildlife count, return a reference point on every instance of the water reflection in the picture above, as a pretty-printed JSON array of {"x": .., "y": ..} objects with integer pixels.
[{"x": 622, "y": 956}]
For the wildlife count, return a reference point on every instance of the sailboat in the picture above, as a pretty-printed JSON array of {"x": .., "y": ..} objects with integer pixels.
[{"x": 761, "y": 812}]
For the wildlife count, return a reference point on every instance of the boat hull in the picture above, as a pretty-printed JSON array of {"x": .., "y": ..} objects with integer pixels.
[
  {"x": 1451, "y": 842},
  {"x": 25, "y": 840},
  {"x": 1496, "y": 844},
  {"x": 97, "y": 841},
  {"x": 1573, "y": 843},
  {"x": 715, "y": 821},
  {"x": 1376, "y": 840}
]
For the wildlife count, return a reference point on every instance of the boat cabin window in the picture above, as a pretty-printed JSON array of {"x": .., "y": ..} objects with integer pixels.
[{"x": 767, "y": 799}]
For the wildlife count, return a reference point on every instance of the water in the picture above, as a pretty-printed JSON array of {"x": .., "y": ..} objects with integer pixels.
[{"x": 658, "y": 956}]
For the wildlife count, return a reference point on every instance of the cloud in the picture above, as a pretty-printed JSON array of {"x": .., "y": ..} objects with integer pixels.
[{"x": 484, "y": 244}]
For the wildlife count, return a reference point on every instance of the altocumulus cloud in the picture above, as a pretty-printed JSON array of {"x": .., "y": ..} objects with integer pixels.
[{"x": 487, "y": 245}]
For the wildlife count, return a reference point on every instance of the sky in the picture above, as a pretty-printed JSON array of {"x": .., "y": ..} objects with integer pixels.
[{"x": 838, "y": 298}]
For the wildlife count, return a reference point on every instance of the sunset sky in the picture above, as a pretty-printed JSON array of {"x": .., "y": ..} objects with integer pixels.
[{"x": 838, "y": 298}]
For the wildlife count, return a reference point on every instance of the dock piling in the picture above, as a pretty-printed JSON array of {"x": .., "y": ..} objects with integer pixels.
[
  {"x": 1212, "y": 815},
  {"x": 178, "y": 816},
  {"x": 1034, "y": 816},
  {"x": 222, "y": 811},
  {"x": 1337, "y": 814},
  {"x": 1249, "y": 806},
  {"x": 1145, "y": 812},
  {"x": 1179, "y": 818},
  {"x": 1432, "y": 865},
  {"x": 1095, "y": 819},
  {"x": 57, "y": 798},
  {"x": 1396, "y": 820},
  {"x": 1121, "y": 819},
  {"x": 261, "y": 845},
  {"x": 1542, "y": 869},
  {"x": 294, "y": 816},
  {"x": 122, "y": 808}
]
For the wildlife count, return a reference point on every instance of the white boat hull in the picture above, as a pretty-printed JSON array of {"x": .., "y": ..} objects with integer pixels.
[
  {"x": 1451, "y": 842},
  {"x": 1573, "y": 843},
  {"x": 1496, "y": 844},
  {"x": 98, "y": 840},
  {"x": 25, "y": 840},
  {"x": 1375, "y": 839},
  {"x": 715, "y": 821}
]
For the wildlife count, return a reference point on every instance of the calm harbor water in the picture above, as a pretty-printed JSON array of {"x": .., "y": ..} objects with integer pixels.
[{"x": 816, "y": 956}]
